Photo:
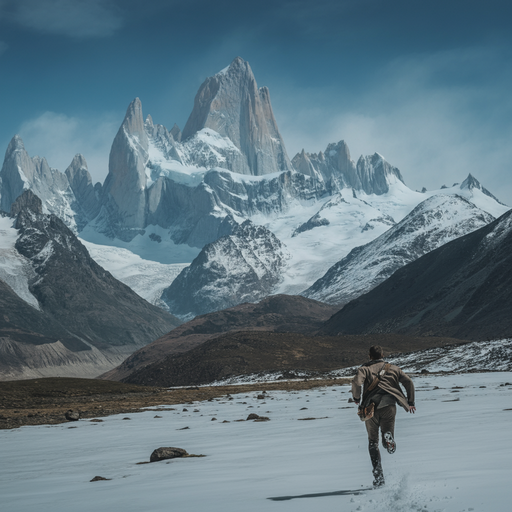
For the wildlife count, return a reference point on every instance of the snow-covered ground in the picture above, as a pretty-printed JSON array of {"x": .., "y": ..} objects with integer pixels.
[
  {"x": 15, "y": 269},
  {"x": 453, "y": 455}
]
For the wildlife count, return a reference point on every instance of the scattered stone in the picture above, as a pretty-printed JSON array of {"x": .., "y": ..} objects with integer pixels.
[
  {"x": 304, "y": 409},
  {"x": 157, "y": 416},
  {"x": 184, "y": 428},
  {"x": 98, "y": 478},
  {"x": 261, "y": 397},
  {"x": 185, "y": 410},
  {"x": 72, "y": 415},
  {"x": 127, "y": 418},
  {"x": 262, "y": 418},
  {"x": 225, "y": 421},
  {"x": 214, "y": 419},
  {"x": 252, "y": 416},
  {"x": 424, "y": 371},
  {"x": 96, "y": 420},
  {"x": 196, "y": 410},
  {"x": 165, "y": 453}
]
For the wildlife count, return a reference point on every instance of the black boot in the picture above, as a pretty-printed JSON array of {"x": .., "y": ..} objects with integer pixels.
[{"x": 378, "y": 475}]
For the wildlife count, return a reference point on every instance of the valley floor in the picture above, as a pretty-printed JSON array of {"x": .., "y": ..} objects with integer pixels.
[{"x": 453, "y": 454}]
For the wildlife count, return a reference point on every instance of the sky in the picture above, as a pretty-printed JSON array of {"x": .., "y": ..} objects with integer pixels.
[{"x": 425, "y": 84}]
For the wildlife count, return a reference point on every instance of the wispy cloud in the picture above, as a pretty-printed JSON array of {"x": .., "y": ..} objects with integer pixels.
[
  {"x": 72, "y": 18},
  {"x": 59, "y": 138}
]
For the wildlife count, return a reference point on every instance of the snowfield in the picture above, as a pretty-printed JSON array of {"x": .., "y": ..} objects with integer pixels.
[{"x": 453, "y": 455}]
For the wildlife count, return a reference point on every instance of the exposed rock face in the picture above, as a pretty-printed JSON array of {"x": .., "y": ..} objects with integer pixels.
[
  {"x": 371, "y": 174},
  {"x": 231, "y": 104},
  {"x": 242, "y": 267},
  {"x": 432, "y": 223},
  {"x": 463, "y": 289},
  {"x": 125, "y": 186},
  {"x": 81, "y": 306},
  {"x": 87, "y": 194},
  {"x": 471, "y": 182}
]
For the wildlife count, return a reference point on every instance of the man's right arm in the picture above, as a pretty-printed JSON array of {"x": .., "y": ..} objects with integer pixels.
[{"x": 357, "y": 385}]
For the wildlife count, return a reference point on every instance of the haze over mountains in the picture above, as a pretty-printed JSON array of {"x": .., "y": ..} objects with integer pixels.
[{"x": 220, "y": 214}]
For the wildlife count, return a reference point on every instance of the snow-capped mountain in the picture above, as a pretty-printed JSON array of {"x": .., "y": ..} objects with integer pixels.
[
  {"x": 463, "y": 289},
  {"x": 62, "y": 314},
  {"x": 169, "y": 193},
  {"x": 242, "y": 267},
  {"x": 434, "y": 222}
]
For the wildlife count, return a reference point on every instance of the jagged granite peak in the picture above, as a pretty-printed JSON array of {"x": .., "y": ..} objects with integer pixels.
[
  {"x": 471, "y": 182},
  {"x": 124, "y": 195},
  {"x": 231, "y": 104},
  {"x": 244, "y": 266},
  {"x": 372, "y": 174},
  {"x": 87, "y": 194},
  {"x": 434, "y": 222},
  {"x": 21, "y": 172}
]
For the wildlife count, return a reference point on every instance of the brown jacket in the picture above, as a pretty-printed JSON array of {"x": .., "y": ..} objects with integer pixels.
[{"x": 390, "y": 382}]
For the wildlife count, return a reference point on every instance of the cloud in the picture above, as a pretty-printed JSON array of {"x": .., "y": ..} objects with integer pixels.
[
  {"x": 59, "y": 138},
  {"x": 424, "y": 114},
  {"x": 72, "y": 18}
]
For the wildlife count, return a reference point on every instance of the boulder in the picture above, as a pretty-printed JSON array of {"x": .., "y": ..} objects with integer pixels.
[
  {"x": 167, "y": 453},
  {"x": 72, "y": 415}
]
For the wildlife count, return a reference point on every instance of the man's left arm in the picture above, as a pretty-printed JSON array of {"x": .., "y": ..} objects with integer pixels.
[{"x": 407, "y": 383}]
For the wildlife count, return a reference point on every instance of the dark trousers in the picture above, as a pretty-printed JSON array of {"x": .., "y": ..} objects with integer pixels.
[{"x": 383, "y": 418}]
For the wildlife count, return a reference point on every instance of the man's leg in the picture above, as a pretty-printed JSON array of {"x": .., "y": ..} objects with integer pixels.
[
  {"x": 387, "y": 426},
  {"x": 372, "y": 427}
]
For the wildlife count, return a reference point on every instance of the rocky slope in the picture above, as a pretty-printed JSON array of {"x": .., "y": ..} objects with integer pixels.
[
  {"x": 462, "y": 289},
  {"x": 68, "y": 312},
  {"x": 252, "y": 353},
  {"x": 434, "y": 222},
  {"x": 241, "y": 267},
  {"x": 278, "y": 313}
]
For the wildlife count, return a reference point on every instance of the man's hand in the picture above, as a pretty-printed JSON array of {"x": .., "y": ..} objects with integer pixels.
[
  {"x": 412, "y": 409},
  {"x": 357, "y": 400}
]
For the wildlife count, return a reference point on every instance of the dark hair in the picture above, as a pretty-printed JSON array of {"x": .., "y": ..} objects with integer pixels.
[{"x": 376, "y": 352}]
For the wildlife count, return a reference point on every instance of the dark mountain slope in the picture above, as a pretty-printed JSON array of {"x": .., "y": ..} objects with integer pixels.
[
  {"x": 278, "y": 313},
  {"x": 463, "y": 290},
  {"x": 80, "y": 304},
  {"x": 244, "y": 353}
]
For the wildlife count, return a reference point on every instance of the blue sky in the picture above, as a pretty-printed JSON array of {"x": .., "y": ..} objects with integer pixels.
[{"x": 426, "y": 84}]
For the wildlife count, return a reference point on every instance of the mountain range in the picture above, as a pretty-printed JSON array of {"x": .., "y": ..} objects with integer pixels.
[{"x": 215, "y": 215}]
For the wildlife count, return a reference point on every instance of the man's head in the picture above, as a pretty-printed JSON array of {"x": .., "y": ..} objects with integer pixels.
[{"x": 376, "y": 352}]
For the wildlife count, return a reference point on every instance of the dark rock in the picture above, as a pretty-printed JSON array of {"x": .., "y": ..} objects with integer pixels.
[
  {"x": 97, "y": 478},
  {"x": 252, "y": 416},
  {"x": 167, "y": 453},
  {"x": 72, "y": 415},
  {"x": 424, "y": 371}
]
